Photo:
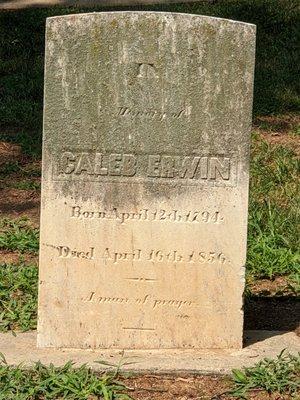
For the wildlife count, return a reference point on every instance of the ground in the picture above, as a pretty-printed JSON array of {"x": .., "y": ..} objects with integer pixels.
[{"x": 189, "y": 388}]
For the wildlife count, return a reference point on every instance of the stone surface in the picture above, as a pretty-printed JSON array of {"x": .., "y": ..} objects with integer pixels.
[
  {"x": 145, "y": 181},
  {"x": 259, "y": 344}
]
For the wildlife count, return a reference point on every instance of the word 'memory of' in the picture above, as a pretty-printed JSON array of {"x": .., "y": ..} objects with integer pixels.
[{"x": 145, "y": 166}]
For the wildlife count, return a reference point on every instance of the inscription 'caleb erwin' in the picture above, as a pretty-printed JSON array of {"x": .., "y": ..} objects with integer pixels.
[{"x": 145, "y": 166}]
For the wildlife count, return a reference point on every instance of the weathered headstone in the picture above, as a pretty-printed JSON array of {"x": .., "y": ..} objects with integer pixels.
[{"x": 145, "y": 181}]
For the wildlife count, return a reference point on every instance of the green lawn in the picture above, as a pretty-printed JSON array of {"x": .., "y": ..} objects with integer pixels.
[
  {"x": 18, "y": 296},
  {"x": 280, "y": 375},
  {"x": 274, "y": 214},
  {"x": 49, "y": 382},
  {"x": 271, "y": 378},
  {"x": 18, "y": 235}
]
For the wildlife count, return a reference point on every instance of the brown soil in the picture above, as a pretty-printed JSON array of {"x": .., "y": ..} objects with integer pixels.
[
  {"x": 13, "y": 257},
  {"x": 188, "y": 387},
  {"x": 280, "y": 286},
  {"x": 292, "y": 142},
  {"x": 17, "y": 203},
  {"x": 281, "y": 130},
  {"x": 278, "y": 123},
  {"x": 9, "y": 151},
  {"x": 151, "y": 387}
]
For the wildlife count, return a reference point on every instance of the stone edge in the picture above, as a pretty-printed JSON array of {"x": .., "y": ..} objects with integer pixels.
[{"x": 171, "y": 14}]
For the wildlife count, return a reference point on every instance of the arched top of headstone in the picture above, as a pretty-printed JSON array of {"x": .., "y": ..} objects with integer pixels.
[{"x": 139, "y": 14}]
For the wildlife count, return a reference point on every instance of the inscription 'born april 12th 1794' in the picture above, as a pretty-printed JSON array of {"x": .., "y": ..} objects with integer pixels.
[{"x": 145, "y": 214}]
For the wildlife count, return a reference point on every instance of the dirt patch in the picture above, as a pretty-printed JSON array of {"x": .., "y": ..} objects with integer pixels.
[
  {"x": 278, "y": 123},
  {"x": 13, "y": 257},
  {"x": 287, "y": 140},
  {"x": 9, "y": 152},
  {"x": 151, "y": 387},
  {"x": 277, "y": 287},
  {"x": 187, "y": 387},
  {"x": 281, "y": 130},
  {"x": 18, "y": 169},
  {"x": 17, "y": 203}
]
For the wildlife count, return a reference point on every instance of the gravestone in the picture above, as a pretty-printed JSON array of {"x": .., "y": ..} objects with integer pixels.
[{"x": 145, "y": 181}]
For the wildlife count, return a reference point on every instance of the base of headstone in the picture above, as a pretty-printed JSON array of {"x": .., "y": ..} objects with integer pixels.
[{"x": 258, "y": 345}]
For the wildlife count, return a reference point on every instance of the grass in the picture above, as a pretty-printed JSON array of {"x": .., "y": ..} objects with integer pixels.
[
  {"x": 26, "y": 185},
  {"x": 276, "y": 86},
  {"x": 294, "y": 283},
  {"x": 270, "y": 376},
  {"x": 16, "y": 167},
  {"x": 18, "y": 235},
  {"x": 9, "y": 168},
  {"x": 18, "y": 297},
  {"x": 66, "y": 382},
  {"x": 274, "y": 215},
  {"x": 280, "y": 375}
]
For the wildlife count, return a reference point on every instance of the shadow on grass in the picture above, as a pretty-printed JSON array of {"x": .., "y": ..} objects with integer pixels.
[{"x": 271, "y": 316}]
